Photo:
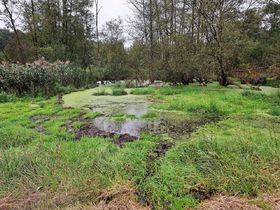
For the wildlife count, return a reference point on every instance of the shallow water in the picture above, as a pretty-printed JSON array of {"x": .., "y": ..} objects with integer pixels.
[
  {"x": 136, "y": 109},
  {"x": 115, "y": 105},
  {"x": 131, "y": 127}
]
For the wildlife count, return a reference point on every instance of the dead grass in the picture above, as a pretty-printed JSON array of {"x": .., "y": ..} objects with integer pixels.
[
  {"x": 222, "y": 202},
  {"x": 120, "y": 196}
]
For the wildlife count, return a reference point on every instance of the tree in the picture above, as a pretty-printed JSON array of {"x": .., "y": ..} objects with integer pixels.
[{"x": 9, "y": 14}]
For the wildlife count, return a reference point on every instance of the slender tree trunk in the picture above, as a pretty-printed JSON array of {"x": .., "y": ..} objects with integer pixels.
[{"x": 12, "y": 22}]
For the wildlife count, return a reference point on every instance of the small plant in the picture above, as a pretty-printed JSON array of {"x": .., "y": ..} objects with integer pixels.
[
  {"x": 150, "y": 115},
  {"x": 92, "y": 115},
  {"x": 119, "y": 92}
]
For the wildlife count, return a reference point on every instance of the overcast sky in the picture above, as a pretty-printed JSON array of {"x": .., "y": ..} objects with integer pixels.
[{"x": 113, "y": 9}]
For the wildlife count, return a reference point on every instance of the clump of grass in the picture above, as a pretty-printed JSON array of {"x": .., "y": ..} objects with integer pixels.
[
  {"x": 211, "y": 109},
  {"x": 101, "y": 92},
  {"x": 254, "y": 95},
  {"x": 92, "y": 115},
  {"x": 275, "y": 111},
  {"x": 77, "y": 124},
  {"x": 150, "y": 115},
  {"x": 143, "y": 91},
  {"x": 122, "y": 117},
  {"x": 119, "y": 92}
]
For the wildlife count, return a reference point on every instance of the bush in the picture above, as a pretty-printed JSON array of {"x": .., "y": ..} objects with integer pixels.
[
  {"x": 42, "y": 78},
  {"x": 119, "y": 92}
]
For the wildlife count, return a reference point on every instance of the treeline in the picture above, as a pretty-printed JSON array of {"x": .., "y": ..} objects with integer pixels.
[
  {"x": 184, "y": 39},
  {"x": 173, "y": 40}
]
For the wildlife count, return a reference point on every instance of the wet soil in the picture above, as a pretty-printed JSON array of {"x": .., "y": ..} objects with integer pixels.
[
  {"x": 39, "y": 122},
  {"x": 161, "y": 149},
  {"x": 202, "y": 192},
  {"x": 89, "y": 129}
]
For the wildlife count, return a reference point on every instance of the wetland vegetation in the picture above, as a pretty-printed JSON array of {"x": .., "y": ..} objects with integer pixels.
[{"x": 209, "y": 141}]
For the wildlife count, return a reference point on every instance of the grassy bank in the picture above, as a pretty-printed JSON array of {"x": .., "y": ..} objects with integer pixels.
[{"x": 238, "y": 154}]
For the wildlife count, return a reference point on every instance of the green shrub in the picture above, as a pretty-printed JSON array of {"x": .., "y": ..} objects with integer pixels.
[
  {"x": 43, "y": 78},
  {"x": 119, "y": 92}
]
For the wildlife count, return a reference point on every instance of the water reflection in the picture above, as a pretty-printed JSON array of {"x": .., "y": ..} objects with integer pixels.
[{"x": 131, "y": 127}]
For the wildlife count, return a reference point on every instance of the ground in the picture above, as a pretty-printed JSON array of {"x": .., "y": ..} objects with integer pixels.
[{"x": 191, "y": 147}]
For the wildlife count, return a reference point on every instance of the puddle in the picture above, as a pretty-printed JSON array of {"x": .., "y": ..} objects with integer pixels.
[{"x": 131, "y": 127}]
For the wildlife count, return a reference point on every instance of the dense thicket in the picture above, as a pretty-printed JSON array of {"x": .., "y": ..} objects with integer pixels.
[
  {"x": 42, "y": 78},
  {"x": 173, "y": 40}
]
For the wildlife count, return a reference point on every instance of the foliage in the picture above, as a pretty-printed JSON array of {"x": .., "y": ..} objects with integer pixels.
[{"x": 43, "y": 78}]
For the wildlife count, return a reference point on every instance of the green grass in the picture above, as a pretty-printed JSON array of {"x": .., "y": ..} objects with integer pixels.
[{"x": 239, "y": 155}]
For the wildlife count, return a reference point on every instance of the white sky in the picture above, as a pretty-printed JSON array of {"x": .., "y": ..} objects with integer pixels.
[{"x": 113, "y": 9}]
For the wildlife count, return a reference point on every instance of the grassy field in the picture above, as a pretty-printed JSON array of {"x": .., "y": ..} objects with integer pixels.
[{"x": 233, "y": 150}]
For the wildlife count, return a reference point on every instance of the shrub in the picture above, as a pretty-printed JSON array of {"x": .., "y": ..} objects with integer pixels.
[
  {"x": 101, "y": 93},
  {"x": 119, "y": 92},
  {"x": 43, "y": 78}
]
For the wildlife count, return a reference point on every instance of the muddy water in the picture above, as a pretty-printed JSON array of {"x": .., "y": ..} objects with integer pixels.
[
  {"x": 136, "y": 109},
  {"x": 131, "y": 127}
]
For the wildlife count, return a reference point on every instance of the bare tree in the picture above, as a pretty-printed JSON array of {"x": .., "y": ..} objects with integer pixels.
[{"x": 10, "y": 14}]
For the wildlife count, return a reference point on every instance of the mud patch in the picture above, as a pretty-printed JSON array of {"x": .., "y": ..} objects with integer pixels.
[
  {"x": 202, "y": 192},
  {"x": 90, "y": 130},
  {"x": 39, "y": 122},
  {"x": 161, "y": 149},
  {"x": 177, "y": 126}
]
